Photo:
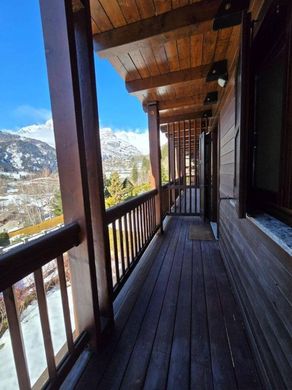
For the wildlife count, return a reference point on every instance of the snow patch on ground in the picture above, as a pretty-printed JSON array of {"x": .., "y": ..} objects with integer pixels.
[{"x": 33, "y": 340}]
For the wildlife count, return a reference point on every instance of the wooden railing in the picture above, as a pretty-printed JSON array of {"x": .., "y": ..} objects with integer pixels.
[
  {"x": 131, "y": 226},
  {"x": 165, "y": 200},
  {"x": 17, "y": 265},
  {"x": 170, "y": 195}
]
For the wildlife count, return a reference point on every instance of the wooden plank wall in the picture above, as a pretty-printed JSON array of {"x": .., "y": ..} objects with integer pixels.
[{"x": 260, "y": 270}]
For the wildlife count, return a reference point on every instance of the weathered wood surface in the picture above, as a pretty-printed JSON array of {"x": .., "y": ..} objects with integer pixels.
[
  {"x": 261, "y": 273},
  {"x": 174, "y": 24},
  {"x": 177, "y": 325},
  {"x": 20, "y": 262}
]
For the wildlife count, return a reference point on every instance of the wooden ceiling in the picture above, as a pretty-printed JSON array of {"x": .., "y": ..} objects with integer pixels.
[{"x": 163, "y": 49}]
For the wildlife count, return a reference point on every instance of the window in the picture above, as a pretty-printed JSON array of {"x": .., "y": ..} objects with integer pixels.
[{"x": 270, "y": 184}]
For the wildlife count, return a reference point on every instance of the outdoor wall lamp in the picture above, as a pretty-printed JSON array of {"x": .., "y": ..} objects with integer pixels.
[
  {"x": 222, "y": 80},
  {"x": 218, "y": 72}
]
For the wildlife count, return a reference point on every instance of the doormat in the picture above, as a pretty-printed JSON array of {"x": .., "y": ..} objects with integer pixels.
[{"x": 201, "y": 232}]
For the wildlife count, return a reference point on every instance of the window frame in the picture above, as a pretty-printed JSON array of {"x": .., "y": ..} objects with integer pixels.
[{"x": 275, "y": 203}]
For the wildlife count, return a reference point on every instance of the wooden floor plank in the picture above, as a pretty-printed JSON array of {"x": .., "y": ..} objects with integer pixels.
[
  {"x": 141, "y": 290},
  {"x": 115, "y": 371},
  {"x": 221, "y": 359},
  {"x": 178, "y": 325},
  {"x": 244, "y": 365},
  {"x": 137, "y": 366},
  {"x": 157, "y": 372},
  {"x": 201, "y": 371},
  {"x": 179, "y": 368}
]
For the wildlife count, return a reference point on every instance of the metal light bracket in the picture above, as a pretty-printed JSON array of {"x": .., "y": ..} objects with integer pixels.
[{"x": 229, "y": 13}]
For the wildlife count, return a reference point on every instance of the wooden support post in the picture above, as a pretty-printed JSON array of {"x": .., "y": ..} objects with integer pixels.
[
  {"x": 69, "y": 54},
  {"x": 155, "y": 158},
  {"x": 171, "y": 155},
  {"x": 172, "y": 159}
]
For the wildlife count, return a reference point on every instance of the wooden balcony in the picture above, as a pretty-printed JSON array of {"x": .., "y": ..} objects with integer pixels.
[
  {"x": 177, "y": 324},
  {"x": 158, "y": 311}
]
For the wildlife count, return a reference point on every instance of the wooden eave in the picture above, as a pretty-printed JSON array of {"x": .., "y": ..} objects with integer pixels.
[{"x": 164, "y": 49}]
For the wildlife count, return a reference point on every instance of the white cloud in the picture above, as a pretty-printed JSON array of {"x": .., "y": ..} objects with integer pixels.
[
  {"x": 42, "y": 132},
  {"x": 140, "y": 139},
  {"x": 33, "y": 114}
]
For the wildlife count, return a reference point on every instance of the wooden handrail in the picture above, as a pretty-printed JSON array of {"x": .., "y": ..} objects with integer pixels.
[
  {"x": 21, "y": 261},
  {"x": 116, "y": 212}
]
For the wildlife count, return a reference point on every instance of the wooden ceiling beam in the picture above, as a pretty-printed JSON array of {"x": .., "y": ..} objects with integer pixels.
[
  {"x": 179, "y": 102},
  {"x": 187, "y": 110},
  {"x": 184, "y": 21},
  {"x": 170, "y": 78},
  {"x": 181, "y": 117}
]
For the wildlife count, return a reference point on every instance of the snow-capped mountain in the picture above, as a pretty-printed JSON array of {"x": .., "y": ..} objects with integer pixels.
[
  {"x": 19, "y": 154},
  {"x": 111, "y": 142},
  {"x": 43, "y": 132},
  {"x": 117, "y": 153},
  {"x": 113, "y": 146}
]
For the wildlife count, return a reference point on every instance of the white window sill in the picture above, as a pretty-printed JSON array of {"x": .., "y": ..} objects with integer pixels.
[{"x": 278, "y": 231}]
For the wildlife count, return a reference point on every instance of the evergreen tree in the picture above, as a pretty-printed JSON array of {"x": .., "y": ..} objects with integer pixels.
[
  {"x": 4, "y": 239},
  {"x": 57, "y": 204},
  {"x": 164, "y": 163},
  {"x": 134, "y": 173},
  {"x": 116, "y": 190},
  {"x": 145, "y": 169}
]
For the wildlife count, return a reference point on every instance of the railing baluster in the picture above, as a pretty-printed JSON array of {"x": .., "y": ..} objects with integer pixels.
[
  {"x": 184, "y": 168},
  {"x": 116, "y": 255},
  {"x": 148, "y": 232},
  {"x": 138, "y": 228},
  {"x": 135, "y": 233},
  {"x": 153, "y": 214},
  {"x": 45, "y": 325},
  {"x": 149, "y": 216},
  {"x": 190, "y": 168},
  {"x": 16, "y": 339},
  {"x": 196, "y": 152},
  {"x": 121, "y": 238},
  {"x": 180, "y": 164},
  {"x": 65, "y": 302},
  {"x": 131, "y": 236},
  {"x": 146, "y": 221},
  {"x": 175, "y": 154},
  {"x": 143, "y": 224},
  {"x": 169, "y": 168},
  {"x": 127, "y": 240}
]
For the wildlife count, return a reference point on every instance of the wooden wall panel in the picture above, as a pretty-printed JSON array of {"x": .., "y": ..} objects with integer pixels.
[
  {"x": 261, "y": 275},
  {"x": 261, "y": 272}
]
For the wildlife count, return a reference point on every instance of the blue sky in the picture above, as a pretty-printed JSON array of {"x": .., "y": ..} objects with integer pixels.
[{"x": 24, "y": 92}]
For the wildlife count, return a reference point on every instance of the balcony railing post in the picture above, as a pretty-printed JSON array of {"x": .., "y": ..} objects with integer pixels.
[
  {"x": 69, "y": 54},
  {"x": 155, "y": 158}
]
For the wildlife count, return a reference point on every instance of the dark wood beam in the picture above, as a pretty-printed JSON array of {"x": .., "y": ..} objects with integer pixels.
[
  {"x": 69, "y": 55},
  {"x": 155, "y": 159},
  {"x": 181, "y": 117},
  {"x": 181, "y": 22},
  {"x": 186, "y": 110},
  {"x": 170, "y": 78},
  {"x": 179, "y": 102}
]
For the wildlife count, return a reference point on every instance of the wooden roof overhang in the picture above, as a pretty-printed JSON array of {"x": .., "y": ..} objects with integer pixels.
[{"x": 164, "y": 49}]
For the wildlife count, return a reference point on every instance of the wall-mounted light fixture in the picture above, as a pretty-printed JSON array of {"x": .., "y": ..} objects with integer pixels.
[
  {"x": 229, "y": 13},
  {"x": 218, "y": 72},
  {"x": 207, "y": 114},
  {"x": 222, "y": 80},
  {"x": 211, "y": 98}
]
